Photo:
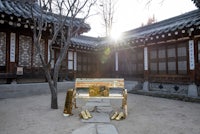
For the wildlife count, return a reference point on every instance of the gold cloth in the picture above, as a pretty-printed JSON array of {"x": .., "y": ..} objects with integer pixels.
[
  {"x": 68, "y": 102},
  {"x": 98, "y": 91}
]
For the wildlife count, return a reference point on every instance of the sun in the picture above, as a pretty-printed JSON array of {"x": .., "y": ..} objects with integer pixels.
[{"x": 116, "y": 35}]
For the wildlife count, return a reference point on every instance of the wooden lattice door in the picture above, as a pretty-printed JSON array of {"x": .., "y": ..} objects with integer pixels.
[{"x": 3, "y": 52}]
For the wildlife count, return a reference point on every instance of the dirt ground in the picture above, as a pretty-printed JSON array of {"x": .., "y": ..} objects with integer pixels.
[{"x": 147, "y": 115}]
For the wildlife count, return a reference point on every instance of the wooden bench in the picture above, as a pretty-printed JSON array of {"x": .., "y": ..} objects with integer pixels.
[{"x": 114, "y": 86}]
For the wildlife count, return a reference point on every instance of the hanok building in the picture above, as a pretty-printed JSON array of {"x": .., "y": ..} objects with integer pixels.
[
  {"x": 19, "y": 59},
  {"x": 166, "y": 52}
]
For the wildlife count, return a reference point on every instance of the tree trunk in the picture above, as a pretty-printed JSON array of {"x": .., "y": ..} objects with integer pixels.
[
  {"x": 53, "y": 89},
  {"x": 54, "y": 102}
]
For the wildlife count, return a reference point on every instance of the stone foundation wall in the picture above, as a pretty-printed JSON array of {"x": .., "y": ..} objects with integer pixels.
[
  {"x": 169, "y": 88},
  {"x": 3, "y": 81}
]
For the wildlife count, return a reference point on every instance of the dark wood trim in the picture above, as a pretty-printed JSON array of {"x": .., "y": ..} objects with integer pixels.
[
  {"x": 166, "y": 53},
  {"x": 46, "y": 49},
  {"x": 157, "y": 61},
  {"x": 187, "y": 57},
  {"x": 32, "y": 52},
  {"x": 8, "y": 52},
  {"x": 176, "y": 53}
]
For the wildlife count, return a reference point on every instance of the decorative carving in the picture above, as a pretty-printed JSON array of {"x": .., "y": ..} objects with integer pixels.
[
  {"x": 25, "y": 46},
  {"x": 36, "y": 59},
  {"x": 2, "y": 49}
]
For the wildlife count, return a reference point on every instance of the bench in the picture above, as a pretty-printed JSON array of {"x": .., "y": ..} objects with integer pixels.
[{"x": 101, "y": 88}]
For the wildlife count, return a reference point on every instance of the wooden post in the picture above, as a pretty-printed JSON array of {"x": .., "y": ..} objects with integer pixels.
[
  {"x": 69, "y": 102},
  {"x": 116, "y": 64},
  {"x": 146, "y": 70},
  {"x": 191, "y": 61},
  {"x": 124, "y": 102},
  {"x": 192, "y": 89}
]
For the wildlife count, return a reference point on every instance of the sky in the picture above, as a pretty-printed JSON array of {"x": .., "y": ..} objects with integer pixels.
[{"x": 130, "y": 14}]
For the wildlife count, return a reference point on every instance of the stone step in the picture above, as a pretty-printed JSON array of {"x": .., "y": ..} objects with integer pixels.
[
  {"x": 96, "y": 129},
  {"x": 98, "y": 118},
  {"x": 106, "y": 129},
  {"x": 87, "y": 129}
]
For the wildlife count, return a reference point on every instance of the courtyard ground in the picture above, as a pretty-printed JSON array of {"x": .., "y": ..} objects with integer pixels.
[{"x": 146, "y": 115}]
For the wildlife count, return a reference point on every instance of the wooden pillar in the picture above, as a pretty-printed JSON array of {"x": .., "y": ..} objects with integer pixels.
[
  {"x": 146, "y": 66},
  {"x": 12, "y": 56},
  {"x": 192, "y": 88},
  {"x": 116, "y": 63},
  {"x": 191, "y": 61},
  {"x": 98, "y": 65},
  {"x": 75, "y": 63},
  {"x": 146, "y": 70}
]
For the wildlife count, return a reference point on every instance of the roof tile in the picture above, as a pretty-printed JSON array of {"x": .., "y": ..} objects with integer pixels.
[{"x": 23, "y": 9}]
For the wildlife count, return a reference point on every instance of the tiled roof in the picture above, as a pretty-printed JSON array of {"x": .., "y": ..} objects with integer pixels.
[
  {"x": 184, "y": 21},
  {"x": 91, "y": 42},
  {"x": 197, "y": 3},
  {"x": 85, "y": 41},
  {"x": 23, "y": 9}
]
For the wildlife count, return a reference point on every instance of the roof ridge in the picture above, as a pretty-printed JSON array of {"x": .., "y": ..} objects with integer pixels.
[{"x": 167, "y": 21}]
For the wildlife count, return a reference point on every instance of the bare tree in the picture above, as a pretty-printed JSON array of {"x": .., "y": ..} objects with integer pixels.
[
  {"x": 148, "y": 2},
  {"x": 150, "y": 21},
  {"x": 60, "y": 17},
  {"x": 107, "y": 11}
]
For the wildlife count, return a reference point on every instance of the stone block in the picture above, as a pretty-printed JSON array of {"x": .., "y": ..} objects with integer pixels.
[
  {"x": 87, "y": 129},
  {"x": 105, "y": 109},
  {"x": 145, "y": 86},
  {"x": 106, "y": 129},
  {"x": 98, "y": 118},
  {"x": 192, "y": 90}
]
